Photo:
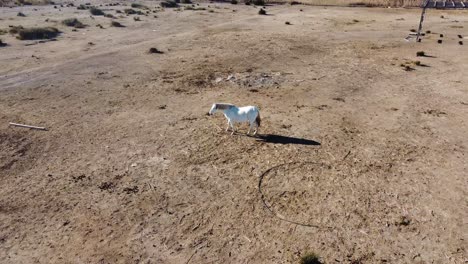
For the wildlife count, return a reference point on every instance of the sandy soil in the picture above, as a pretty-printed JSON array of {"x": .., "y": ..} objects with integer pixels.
[{"x": 360, "y": 161}]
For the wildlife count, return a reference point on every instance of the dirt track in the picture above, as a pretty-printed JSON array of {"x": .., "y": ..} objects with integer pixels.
[{"x": 132, "y": 170}]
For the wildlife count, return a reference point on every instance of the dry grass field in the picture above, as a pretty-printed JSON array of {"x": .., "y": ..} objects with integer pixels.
[{"x": 361, "y": 156}]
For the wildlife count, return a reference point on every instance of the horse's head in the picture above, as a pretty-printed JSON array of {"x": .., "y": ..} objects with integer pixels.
[{"x": 213, "y": 109}]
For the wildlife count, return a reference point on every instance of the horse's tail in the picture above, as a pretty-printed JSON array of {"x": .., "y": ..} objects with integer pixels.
[{"x": 258, "y": 120}]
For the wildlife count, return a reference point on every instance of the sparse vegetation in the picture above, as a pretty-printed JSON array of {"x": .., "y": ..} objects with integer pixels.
[
  {"x": 295, "y": 3},
  {"x": 259, "y": 2},
  {"x": 15, "y": 29},
  {"x": 194, "y": 8},
  {"x": 37, "y": 33},
  {"x": 413, "y": 30},
  {"x": 186, "y": 1},
  {"x": 130, "y": 11},
  {"x": 169, "y": 4},
  {"x": 136, "y": 18},
  {"x": 420, "y": 54},
  {"x": 73, "y": 22},
  {"x": 2, "y": 44},
  {"x": 262, "y": 11},
  {"x": 155, "y": 50},
  {"x": 287, "y": 23},
  {"x": 428, "y": 32},
  {"x": 116, "y": 24},
  {"x": 109, "y": 16},
  {"x": 137, "y": 5},
  {"x": 407, "y": 67},
  {"x": 96, "y": 11},
  {"x": 234, "y": 2},
  {"x": 20, "y": 14},
  {"x": 310, "y": 258},
  {"x": 405, "y": 221},
  {"x": 33, "y": 2}
]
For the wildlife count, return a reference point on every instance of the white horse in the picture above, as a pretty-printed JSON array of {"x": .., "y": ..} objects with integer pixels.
[{"x": 236, "y": 114}]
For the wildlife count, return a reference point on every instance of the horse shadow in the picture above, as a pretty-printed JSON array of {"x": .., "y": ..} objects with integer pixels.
[{"x": 278, "y": 139}]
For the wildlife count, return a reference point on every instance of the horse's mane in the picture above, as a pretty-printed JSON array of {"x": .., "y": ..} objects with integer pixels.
[{"x": 223, "y": 106}]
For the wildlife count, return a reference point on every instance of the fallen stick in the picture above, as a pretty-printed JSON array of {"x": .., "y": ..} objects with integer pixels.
[{"x": 27, "y": 126}]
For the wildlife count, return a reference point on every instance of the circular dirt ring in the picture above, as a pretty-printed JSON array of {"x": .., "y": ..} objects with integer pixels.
[{"x": 300, "y": 192}]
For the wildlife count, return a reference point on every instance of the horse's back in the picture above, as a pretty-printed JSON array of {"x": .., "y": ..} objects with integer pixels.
[{"x": 248, "y": 109}]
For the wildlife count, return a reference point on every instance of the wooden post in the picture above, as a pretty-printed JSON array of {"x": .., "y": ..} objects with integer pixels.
[{"x": 425, "y": 4}]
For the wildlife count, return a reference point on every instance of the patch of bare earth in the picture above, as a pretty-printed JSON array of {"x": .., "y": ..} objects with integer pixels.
[{"x": 356, "y": 160}]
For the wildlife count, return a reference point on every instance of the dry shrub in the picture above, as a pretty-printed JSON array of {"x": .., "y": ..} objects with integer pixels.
[
  {"x": 73, "y": 22},
  {"x": 194, "y": 8},
  {"x": 310, "y": 258},
  {"x": 33, "y": 2},
  {"x": 116, "y": 24},
  {"x": 130, "y": 11},
  {"x": 169, "y": 4},
  {"x": 137, "y": 5},
  {"x": 155, "y": 50},
  {"x": 96, "y": 11},
  {"x": 37, "y": 33},
  {"x": 15, "y": 29}
]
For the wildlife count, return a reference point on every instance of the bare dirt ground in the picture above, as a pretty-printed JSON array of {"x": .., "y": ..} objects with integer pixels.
[{"x": 368, "y": 160}]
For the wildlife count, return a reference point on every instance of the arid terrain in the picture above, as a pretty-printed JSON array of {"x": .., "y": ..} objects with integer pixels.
[{"x": 361, "y": 156}]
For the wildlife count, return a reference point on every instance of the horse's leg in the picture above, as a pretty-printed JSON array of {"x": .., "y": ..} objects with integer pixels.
[
  {"x": 256, "y": 129},
  {"x": 233, "y": 129},
  {"x": 228, "y": 124},
  {"x": 250, "y": 128}
]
